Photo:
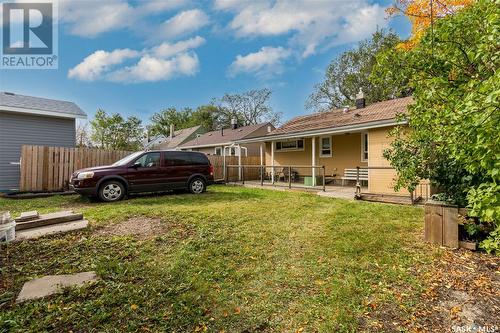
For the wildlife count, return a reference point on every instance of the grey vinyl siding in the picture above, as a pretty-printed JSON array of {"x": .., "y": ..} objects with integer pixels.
[{"x": 25, "y": 129}]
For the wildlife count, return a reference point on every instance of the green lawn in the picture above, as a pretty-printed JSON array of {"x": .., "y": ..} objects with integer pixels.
[{"x": 233, "y": 260}]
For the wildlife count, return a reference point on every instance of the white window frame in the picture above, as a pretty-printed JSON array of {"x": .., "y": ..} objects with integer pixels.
[
  {"x": 329, "y": 137},
  {"x": 364, "y": 147},
  {"x": 218, "y": 148},
  {"x": 289, "y": 149}
]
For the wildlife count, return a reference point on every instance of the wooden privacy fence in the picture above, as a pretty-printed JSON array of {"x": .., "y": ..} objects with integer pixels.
[
  {"x": 218, "y": 164},
  {"x": 50, "y": 168}
]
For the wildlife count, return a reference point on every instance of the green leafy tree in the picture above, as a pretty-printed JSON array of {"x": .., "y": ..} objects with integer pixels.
[
  {"x": 161, "y": 121},
  {"x": 351, "y": 71},
  {"x": 115, "y": 132},
  {"x": 453, "y": 137},
  {"x": 204, "y": 115}
]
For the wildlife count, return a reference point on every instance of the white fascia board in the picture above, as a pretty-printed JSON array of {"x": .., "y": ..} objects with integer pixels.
[
  {"x": 41, "y": 112},
  {"x": 326, "y": 131},
  {"x": 207, "y": 146}
]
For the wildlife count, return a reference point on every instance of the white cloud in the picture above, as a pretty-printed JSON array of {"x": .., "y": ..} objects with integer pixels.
[
  {"x": 165, "y": 50},
  {"x": 184, "y": 23},
  {"x": 91, "y": 18},
  {"x": 99, "y": 62},
  {"x": 162, "y": 62},
  {"x": 266, "y": 62},
  {"x": 150, "y": 69},
  {"x": 311, "y": 27}
]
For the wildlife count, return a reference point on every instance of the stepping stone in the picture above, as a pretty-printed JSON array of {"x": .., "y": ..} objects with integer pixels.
[
  {"x": 52, "y": 284},
  {"x": 51, "y": 229}
]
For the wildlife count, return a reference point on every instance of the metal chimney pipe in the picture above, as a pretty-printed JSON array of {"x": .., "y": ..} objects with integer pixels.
[{"x": 171, "y": 131}]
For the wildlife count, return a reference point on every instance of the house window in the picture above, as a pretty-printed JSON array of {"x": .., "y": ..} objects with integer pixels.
[
  {"x": 326, "y": 146},
  {"x": 364, "y": 147},
  {"x": 218, "y": 151},
  {"x": 292, "y": 145}
]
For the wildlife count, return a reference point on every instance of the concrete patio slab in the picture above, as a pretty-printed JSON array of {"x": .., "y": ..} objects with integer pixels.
[
  {"x": 51, "y": 229},
  {"x": 52, "y": 284},
  {"x": 332, "y": 191}
]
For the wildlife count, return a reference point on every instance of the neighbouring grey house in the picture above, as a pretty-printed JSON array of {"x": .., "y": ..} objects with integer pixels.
[
  {"x": 223, "y": 141},
  {"x": 27, "y": 120},
  {"x": 175, "y": 139}
]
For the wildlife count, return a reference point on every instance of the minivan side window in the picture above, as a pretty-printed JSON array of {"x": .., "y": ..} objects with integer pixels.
[
  {"x": 198, "y": 159},
  {"x": 173, "y": 158},
  {"x": 149, "y": 160}
]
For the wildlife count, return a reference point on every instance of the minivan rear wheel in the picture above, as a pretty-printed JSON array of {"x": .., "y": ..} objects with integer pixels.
[
  {"x": 111, "y": 191},
  {"x": 197, "y": 185}
]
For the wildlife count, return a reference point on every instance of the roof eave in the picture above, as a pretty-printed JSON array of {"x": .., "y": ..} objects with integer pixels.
[
  {"x": 42, "y": 112},
  {"x": 326, "y": 131},
  {"x": 206, "y": 145}
]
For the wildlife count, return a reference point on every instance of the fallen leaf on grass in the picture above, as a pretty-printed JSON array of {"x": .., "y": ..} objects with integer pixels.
[
  {"x": 237, "y": 310},
  {"x": 133, "y": 307}
]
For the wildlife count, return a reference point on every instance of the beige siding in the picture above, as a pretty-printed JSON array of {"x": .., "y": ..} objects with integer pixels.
[
  {"x": 346, "y": 154},
  {"x": 380, "y": 181}
]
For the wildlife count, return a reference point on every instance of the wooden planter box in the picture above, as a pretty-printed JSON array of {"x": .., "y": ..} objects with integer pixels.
[{"x": 441, "y": 224}]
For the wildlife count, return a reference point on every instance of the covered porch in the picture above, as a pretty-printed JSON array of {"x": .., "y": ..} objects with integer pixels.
[{"x": 333, "y": 159}]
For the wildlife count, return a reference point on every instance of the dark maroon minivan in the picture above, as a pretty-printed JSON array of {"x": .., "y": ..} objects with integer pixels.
[{"x": 145, "y": 171}]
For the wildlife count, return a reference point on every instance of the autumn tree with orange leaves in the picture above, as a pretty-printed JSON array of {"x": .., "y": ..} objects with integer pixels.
[{"x": 422, "y": 14}]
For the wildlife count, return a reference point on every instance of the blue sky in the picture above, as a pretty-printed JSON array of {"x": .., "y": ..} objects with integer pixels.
[{"x": 137, "y": 57}]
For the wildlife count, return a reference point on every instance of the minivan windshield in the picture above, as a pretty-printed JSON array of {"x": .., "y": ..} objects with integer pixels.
[{"x": 127, "y": 159}]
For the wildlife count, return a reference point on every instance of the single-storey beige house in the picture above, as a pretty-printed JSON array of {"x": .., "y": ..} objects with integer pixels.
[
  {"x": 340, "y": 140},
  {"x": 223, "y": 142}
]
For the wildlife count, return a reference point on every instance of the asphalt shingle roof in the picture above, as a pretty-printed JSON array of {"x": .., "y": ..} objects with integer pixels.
[
  {"x": 164, "y": 142},
  {"x": 38, "y": 103},
  {"x": 385, "y": 110},
  {"x": 216, "y": 137}
]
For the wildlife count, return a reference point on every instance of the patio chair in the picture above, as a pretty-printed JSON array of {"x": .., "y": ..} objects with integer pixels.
[{"x": 294, "y": 175}]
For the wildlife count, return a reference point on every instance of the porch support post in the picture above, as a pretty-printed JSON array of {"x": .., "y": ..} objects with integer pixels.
[
  {"x": 239, "y": 162},
  {"x": 313, "y": 160},
  {"x": 261, "y": 150},
  {"x": 272, "y": 162}
]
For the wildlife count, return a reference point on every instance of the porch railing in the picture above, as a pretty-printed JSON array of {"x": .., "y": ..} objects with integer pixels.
[{"x": 288, "y": 173}]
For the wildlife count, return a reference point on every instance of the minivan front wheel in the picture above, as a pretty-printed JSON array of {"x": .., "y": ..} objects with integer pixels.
[
  {"x": 111, "y": 191},
  {"x": 197, "y": 186}
]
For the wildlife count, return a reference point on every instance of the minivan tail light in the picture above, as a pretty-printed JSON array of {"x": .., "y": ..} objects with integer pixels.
[{"x": 211, "y": 170}]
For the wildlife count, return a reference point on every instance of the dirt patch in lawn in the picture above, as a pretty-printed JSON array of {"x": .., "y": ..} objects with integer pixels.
[
  {"x": 140, "y": 227},
  {"x": 461, "y": 294}
]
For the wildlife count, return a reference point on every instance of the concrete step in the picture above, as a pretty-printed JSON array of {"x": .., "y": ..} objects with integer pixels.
[
  {"x": 32, "y": 233},
  {"x": 48, "y": 219},
  {"x": 387, "y": 198}
]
